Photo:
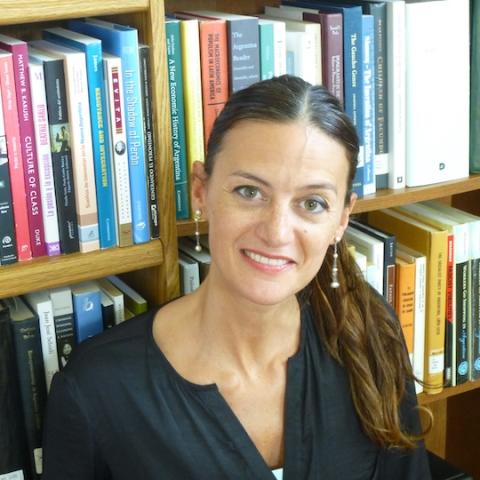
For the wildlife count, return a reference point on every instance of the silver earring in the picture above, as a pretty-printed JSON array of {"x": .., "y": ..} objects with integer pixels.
[
  {"x": 335, "y": 283},
  {"x": 196, "y": 217}
]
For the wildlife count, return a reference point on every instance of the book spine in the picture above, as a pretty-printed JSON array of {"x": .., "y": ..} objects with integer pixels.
[
  {"x": 475, "y": 318},
  {"x": 266, "y": 40},
  {"x": 118, "y": 146},
  {"x": 145, "y": 81},
  {"x": 368, "y": 105},
  {"x": 192, "y": 92},
  {"x": 12, "y": 133},
  {"x": 475, "y": 90},
  {"x": 28, "y": 148},
  {"x": 244, "y": 56},
  {"x": 450, "y": 323},
  {"x": 462, "y": 357},
  {"x": 61, "y": 157},
  {"x": 8, "y": 245},
  {"x": 82, "y": 154},
  {"x": 87, "y": 314},
  {"x": 379, "y": 12},
  {"x": 419, "y": 325},
  {"x": 214, "y": 71},
  {"x": 44, "y": 156},
  {"x": 28, "y": 349},
  {"x": 405, "y": 301},
  {"x": 280, "y": 53},
  {"x": 177, "y": 119}
]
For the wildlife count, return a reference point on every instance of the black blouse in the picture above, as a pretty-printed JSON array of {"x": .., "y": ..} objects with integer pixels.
[{"x": 120, "y": 411}]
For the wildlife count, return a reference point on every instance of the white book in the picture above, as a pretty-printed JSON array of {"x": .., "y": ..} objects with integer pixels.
[
  {"x": 81, "y": 140},
  {"x": 109, "y": 289},
  {"x": 44, "y": 156},
  {"x": 117, "y": 138},
  {"x": 189, "y": 274},
  {"x": 279, "y": 48},
  {"x": 437, "y": 58},
  {"x": 374, "y": 250},
  {"x": 41, "y": 304},
  {"x": 361, "y": 261},
  {"x": 307, "y": 48},
  {"x": 410, "y": 255}
]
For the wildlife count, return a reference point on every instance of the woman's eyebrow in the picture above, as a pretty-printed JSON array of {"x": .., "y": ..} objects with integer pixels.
[{"x": 250, "y": 176}]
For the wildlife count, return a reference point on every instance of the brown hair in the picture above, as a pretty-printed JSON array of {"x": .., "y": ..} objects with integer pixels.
[{"x": 356, "y": 326}]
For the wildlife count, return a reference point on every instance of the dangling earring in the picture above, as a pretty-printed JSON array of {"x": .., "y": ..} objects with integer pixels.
[
  {"x": 335, "y": 283},
  {"x": 196, "y": 217}
]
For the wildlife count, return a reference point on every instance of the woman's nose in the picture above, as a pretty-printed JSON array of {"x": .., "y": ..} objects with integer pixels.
[{"x": 276, "y": 227}]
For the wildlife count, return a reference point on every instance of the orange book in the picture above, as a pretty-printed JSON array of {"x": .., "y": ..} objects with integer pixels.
[
  {"x": 405, "y": 300},
  {"x": 214, "y": 67}
]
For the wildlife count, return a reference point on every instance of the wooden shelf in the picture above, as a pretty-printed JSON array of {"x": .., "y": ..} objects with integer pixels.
[
  {"x": 48, "y": 272},
  {"x": 381, "y": 199},
  {"x": 425, "y": 399},
  {"x": 27, "y": 11}
]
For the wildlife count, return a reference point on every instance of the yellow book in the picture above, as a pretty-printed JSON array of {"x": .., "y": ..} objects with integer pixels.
[
  {"x": 405, "y": 300},
  {"x": 192, "y": 91},
  {"x": 432, "y": 242}
]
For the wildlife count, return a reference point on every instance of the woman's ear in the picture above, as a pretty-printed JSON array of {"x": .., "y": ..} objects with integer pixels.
[
  {"x": 346, "y": 216},
  {"x": 199, "y": 186}
]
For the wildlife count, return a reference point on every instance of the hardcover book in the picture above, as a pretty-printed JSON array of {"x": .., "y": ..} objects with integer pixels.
[
  {"x": 123, "y": 41},
  {"x": 87, "y": 310},
  {"x": 109, "y": 289},
  {"x": 189, "y": 274},
  {"x": 134, "y": 302},
  {"x": 59, "y": 126},
  {"x": 19, "y": 51}
]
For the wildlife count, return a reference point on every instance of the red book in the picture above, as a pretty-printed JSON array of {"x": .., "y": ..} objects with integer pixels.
[
  {"x": 19, "y": 51},
  {"x": 12, "y": 133},
  {"x": 214, "y": 67},
  {"x": 332, "y": 50}
]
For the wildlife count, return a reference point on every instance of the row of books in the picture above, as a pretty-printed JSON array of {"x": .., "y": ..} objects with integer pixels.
[
  {"x": 38, "y": 333},
  {"x": 76, "y": 142},
  {"x": 385, "y": 60}
]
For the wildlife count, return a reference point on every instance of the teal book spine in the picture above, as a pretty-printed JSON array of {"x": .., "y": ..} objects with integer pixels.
[
  {"x": 177, "y": 118},
  {"x": 265, "y": 35}
]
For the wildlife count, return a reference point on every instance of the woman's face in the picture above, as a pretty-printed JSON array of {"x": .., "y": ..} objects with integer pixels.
[{"x": 274, "y": 203}]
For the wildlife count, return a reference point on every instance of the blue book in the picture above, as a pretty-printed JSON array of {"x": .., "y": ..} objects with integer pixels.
[
  {"x": 92, "y": 48},
  {"x": 177, "y": 117},
  {"x": 368, "y": 104},
  {"x": 87, "y": 310},
  {"x": 123, "y": 41},
  {"x": 352, "y": 68}
]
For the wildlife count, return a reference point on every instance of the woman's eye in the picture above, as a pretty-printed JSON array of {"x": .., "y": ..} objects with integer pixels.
[
  {"x": 248, "y": 192},
  {"x": 314, "y": 205}
]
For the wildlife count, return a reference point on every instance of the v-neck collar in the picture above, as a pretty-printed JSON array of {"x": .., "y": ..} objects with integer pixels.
[{"x": 241, "y": 442}]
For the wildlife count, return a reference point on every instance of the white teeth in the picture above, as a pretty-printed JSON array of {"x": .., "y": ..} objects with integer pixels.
[{"x": 276, "y": 262}]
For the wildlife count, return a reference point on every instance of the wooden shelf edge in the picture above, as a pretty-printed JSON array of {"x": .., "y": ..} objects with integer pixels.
[
  {"x": 27, "y": 11},
  {"x": 425, "y": 399},
  {"x": 49, "y": 272},
  {"x": 187, "y": 227},
  {"x": 391, "y": 198}
]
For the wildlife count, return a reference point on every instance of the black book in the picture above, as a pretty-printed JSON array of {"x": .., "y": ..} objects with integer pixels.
[
  {"x": 13, "y": 444},
  {"x": 31, "y": 376},
  {"x": 145, "y": 85},
  {"x": 59, "y": 125}
]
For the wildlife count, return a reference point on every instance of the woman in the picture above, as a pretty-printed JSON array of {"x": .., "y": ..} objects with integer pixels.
[{"x": 284, "y": 359}]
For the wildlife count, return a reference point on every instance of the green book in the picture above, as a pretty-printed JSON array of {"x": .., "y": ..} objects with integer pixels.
[{"x": 265, "y": 34}]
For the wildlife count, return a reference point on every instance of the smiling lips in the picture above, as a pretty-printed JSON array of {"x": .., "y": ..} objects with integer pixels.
[{"x": 267, "y": 263}]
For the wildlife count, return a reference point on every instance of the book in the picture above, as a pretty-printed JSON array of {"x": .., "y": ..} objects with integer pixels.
[
  {"x": 475, "y": 88},
  {"x": 243, "y": 47},
  {"x": 146, "y": 95},
  {"x": 117, "y": 297},
  {"x": 133, "y": 300},
  {"x": 19, "y": 51},
  {"x": 15, "y": 163},
  {"x": 108, "y": 311},
  {"x": 8, "y": 245},
  {"x": 31, "y": 375},
  {"x": 62, "y": 305},
  {"x": 177, "y": 118},
  {"x": 92, "y": 48},
  {"x": 44, "y": 157},
  {"x": 79, "y": 140},
  {"x": 58, "y": 122},
  {"x": 14, "y": 456},
  {"x": 123, "y": 41},
  {"x": 87, "y": 310},
  {"x": 405, "y": 301},
  {"x": 267, "y": 48},
  {"x": 279, "y": 47},
  {"x": 432, "y": 243},
  {"x": 430, "y": 50},
  {"x": 189, "y": 274},
  {"x": 41, "y": 304},
  {"x": 412, "y": 256},
  {"x": 117, "y": 139},
  {"x": 203, "y": 258}
]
